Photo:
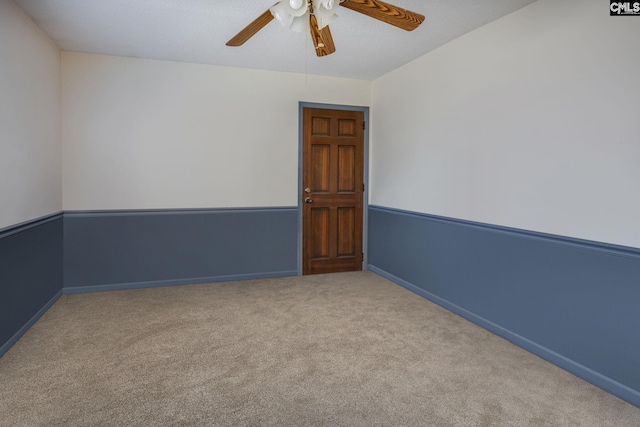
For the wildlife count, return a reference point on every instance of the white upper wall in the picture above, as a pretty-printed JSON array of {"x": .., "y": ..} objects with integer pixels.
[
  {"x": 30, "y": 174},
  {"x": 144, "y": 134},
  {"x": 529, "y": 122}
]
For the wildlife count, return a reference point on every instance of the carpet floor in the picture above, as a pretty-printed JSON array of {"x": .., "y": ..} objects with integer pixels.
[{"x": 349, "y": 349}]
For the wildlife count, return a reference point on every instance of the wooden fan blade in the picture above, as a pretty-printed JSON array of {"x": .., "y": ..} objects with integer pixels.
[
  {"x": 322, "y": 39},
  {"x": 386, "y": 12},
  {"x": 251, "y": 29}
]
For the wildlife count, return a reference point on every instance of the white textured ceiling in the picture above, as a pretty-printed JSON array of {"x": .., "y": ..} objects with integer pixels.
[{"x": 197, "y": 30}]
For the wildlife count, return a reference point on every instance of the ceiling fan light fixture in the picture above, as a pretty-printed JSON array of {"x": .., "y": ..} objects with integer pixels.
[
  {"x": 301, "y": 9},
  {"x": 287, "y": 11},
  {"x": 329, "y": 4},
  {"x": 324, "y": 10},
  {"x": 300, "y": 24},
  {"x": 281, "y": 13},
  {"x": 315, "y": 15}
]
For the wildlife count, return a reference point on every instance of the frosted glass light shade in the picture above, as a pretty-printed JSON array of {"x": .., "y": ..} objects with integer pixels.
[
  {"x": 294, "y": 14},
  {"x": 324, "y": 10},
  {"x": 281, "y": 13},
  {"x": 287, "y": 11},
  {"x": 300, "y": 10},
  {"x": 300, "y": 24}
]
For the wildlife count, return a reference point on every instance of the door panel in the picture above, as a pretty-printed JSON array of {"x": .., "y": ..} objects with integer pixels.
[
  {"x": 333, "y": 169},
  {"x": 346, "y": 169},
  {"x": 321, "y": 126},
  {"x": 320, "y": 161},
  {"x": 347, "y": 127},
  {"x": 320, "y": 236},
  {"x": 346, "y": 232}
]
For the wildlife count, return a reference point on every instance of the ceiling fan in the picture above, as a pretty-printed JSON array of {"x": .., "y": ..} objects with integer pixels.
[{"x": 315, "y": 15}]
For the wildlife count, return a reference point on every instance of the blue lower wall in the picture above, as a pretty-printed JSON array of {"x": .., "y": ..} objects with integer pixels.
[
  {"x": 129, "y": 249},
  {"x": 30, "y": 275},
  {"x": 575, "y": 303}
]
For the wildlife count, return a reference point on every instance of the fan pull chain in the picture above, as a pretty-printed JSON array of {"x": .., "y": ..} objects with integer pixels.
[{"x": 306, "y": 45}]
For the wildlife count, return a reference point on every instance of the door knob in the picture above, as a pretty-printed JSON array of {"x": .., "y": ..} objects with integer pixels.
[
  {"x": 308, "y": 200},
  {"x": 307, "y": 190}
]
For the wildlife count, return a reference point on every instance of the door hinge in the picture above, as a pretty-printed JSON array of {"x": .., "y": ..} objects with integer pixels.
[
  {"x": 362, "y": 258},
  {"x": 363, "y": 186},
  {"x": 364, "y": 125}
]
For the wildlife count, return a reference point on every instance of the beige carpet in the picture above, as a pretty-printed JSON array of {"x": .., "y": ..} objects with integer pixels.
[{"x": 349, "y": 349}]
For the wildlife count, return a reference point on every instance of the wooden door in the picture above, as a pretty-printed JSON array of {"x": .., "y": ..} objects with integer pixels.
[{"x": 333, "y": 169}]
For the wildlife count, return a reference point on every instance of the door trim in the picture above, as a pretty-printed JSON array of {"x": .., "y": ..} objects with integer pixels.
[{"x": 365, "y": 178}]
